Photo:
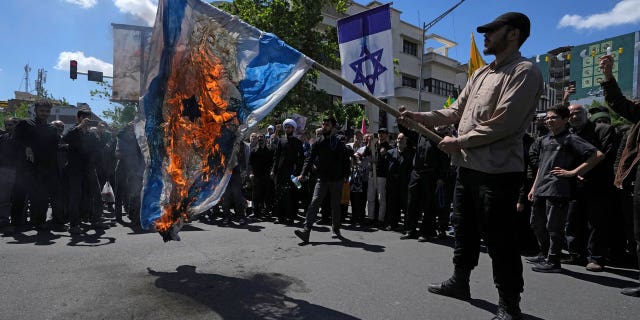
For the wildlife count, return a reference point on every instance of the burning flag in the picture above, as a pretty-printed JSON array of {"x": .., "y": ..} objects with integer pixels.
[{"x": 209, "y": 79}]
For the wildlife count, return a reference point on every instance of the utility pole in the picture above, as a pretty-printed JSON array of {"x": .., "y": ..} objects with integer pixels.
[
  {"x": 42, "y": 79},
  {"x": 425, "y": 27},
  {"x": 27, "y": 69}
]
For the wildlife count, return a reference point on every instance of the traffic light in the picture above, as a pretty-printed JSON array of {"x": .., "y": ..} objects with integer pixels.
[{"x": 73, "y": 69}]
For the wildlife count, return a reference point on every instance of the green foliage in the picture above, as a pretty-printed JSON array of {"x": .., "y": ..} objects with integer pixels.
[
  {"x": 616, "y": 119},
  {"x": 21, "y": 112},
  {"x": 119, "y": 114},
  {"x": 297, "y": 23},
  {"x": 351, "y": 113}
]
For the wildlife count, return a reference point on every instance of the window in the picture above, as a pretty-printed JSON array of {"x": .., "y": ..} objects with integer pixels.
[
  {"x": 409, "y": 47},
  {"x": 440, "y": 87},
  {"x": 409, "y": 82}
]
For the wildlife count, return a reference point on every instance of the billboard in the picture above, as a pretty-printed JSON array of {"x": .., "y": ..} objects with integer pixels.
[
  {"x": 130, "y": 53},
  {"x": 585, "y": 59}
]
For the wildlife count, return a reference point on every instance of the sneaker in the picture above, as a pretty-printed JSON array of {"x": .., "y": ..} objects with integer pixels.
[
  {"x": 504, "y": 314},
  {"x": 423, "y": 239},
  {"x": 242, "y": 221},
  {"x": 547, "y": 267},
  {"x": 409, "y": 235},
  {"x": 594, "y": 267},
  {"x": 451, "y": 288},
  {"x": 303, "y": 235},
  {"x": 75, "y": 230},
  {"x": 536, "y": 259}
]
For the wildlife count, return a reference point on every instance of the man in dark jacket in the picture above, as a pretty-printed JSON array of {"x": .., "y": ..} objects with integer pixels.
[
  {"x": 586, "y": 230},
  {"x": 332, "y": 161},
  {"x": 9, "y": 153},
  {"x": 430, "y": 167},
  {"x": 260, "y": 160},
  {"x": 40, "y": 141},
  {"x": 84, "y": 190},
  {"x": 129, "y": 173},
  {"x": 628, "y": 164},
  {"x": 400, "y": 161},
  {"x": 287, "y": 162}
]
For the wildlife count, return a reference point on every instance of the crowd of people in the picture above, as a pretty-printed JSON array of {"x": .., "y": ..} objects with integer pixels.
[
  {"x": 45, "y": 167},
  {"x": 488, "y": 179}
]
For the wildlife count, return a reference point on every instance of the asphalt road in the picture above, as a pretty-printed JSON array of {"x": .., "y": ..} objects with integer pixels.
[{"x": 260, "y": 271}]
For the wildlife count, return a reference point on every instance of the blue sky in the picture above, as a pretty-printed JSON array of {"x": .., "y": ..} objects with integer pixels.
[{"x": 47, "y": 34}]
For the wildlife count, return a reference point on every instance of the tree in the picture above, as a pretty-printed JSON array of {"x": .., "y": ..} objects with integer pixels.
[
  {"x": 296, "y": 22},
  {"x": 120, "y": 113},
  {"x": 21, "y": 112},
  {"x": 616, "y": 119}
]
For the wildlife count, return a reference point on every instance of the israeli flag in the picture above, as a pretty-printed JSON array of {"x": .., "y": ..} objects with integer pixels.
[
  {"x": 366, "y": 52},
  {"x": 209, "y": 79}
]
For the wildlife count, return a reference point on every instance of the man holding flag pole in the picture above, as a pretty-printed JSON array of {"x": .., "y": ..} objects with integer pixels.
[{"x": 493, "y": 112}]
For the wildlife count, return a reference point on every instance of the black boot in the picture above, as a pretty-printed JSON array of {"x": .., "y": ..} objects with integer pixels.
[
  {"x": 508, "y": 306},
  {"x": 456, "y": 287}
]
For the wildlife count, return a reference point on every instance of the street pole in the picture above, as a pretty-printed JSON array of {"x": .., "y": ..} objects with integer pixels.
[{"x": 425, "y": 27}]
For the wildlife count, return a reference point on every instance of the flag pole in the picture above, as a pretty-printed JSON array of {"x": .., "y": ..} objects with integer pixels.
[{"x": 412, "y": 124}]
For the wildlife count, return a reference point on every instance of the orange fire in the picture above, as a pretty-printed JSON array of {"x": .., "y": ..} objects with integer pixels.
[{"x": 191, "y": 142}]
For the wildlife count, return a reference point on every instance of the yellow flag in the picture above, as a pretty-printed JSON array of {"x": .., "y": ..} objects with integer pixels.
[
  {"x": 449, "y": 102},
  {"x": 475, "y": 60}
]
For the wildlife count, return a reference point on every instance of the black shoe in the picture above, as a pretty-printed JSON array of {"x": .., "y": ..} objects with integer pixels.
[
  {"x": 547, "y": 267},
  {"x": 632, "y": 292},
  {"x": 441, "y": 234},
  {"x": 409, "y": 235},
  {"x": 536, "y": 259},
  {"x": 575, "y": 260},
  {"x": 336, "y": 233},
  {"x": 303, "y": 235},
  {"x": 503, "y": 314},
  {"x": 451, "y": 288}
]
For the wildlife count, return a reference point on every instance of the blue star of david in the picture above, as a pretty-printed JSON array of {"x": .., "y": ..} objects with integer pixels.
[{"x": 368, "y": 80}]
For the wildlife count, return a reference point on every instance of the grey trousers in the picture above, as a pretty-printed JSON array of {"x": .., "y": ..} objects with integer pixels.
[{"x": 334, "y": 188}]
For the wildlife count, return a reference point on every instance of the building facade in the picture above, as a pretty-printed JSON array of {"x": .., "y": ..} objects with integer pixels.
[{"x": 442, "y": 77}]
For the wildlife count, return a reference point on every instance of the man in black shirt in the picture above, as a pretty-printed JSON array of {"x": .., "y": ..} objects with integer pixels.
[
  {"x": 287, "y": 162},
  {"x": 332, "y": 161},
  {"x": 260, "y": 160},
  {"x": 40, "y": 141},
  {"x": 84, "y": 190},
  {"x": 9, "y": 152}
]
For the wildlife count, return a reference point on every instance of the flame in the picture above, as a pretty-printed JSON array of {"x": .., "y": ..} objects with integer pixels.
[{"x": 191, "y": 145}]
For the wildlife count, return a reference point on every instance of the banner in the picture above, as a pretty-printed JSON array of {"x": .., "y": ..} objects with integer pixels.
[
  {"x": 130, "y": 52},
  {"x": 209, "y": 80},
  {"x": 366, "y": 52}
]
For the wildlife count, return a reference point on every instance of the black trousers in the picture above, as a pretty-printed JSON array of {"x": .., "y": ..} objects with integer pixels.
[
  {"x": 636, "y": 213},
  {"x": 421, "y": 200},
  {"x": 485, "y": 208},
  {"x": 45, "y": 187},
  {"x": 84, "y": 195},
  {"x": 586, "y": 230}
]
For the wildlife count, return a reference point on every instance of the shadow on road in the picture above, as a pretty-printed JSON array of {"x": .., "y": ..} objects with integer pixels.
[
  {"x": 94, "y": 239},
  {"x": 262, "y": 296},
  {"x": 41, "y": 238},
  {"x": 600, "y": 279},
  {"x": 493, "y": 308},
  {"x": 350, "y": 243}
]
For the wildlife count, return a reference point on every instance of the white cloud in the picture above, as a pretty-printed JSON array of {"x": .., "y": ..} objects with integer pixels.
[
  {"x": 83, "y": 3},
  {"x": 143, "y": 9},
  {"x": 84, "y": 63},
  {"x": 624, "y": 12}
]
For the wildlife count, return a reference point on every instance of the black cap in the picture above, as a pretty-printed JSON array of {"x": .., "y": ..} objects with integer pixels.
[
  {"x": 514, "y": 19},
  {"x": 383, "y": 130}
]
